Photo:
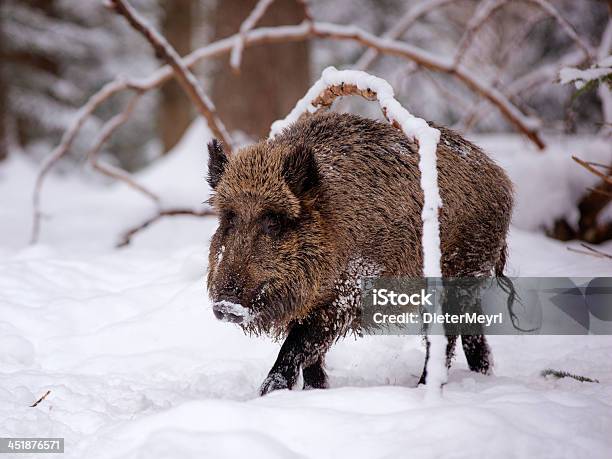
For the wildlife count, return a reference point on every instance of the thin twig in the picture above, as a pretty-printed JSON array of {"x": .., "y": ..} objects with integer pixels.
[
  {"x": 40, "y": 399},
  {"x": 251, "y": 21},
  {"x": 183, "y": 75},
  {"x": 107, "y": 131},
  {"x": 307, "y": 12},
  {"x": 489, "y": 7},
  {"x": 587, "y": 166},
  {"x": 66, "y": 142},
  {"x": 469, "y": 120},
  {"x": 593, "y": 163},
  {"x": 599, "y": 191},
  {"x": 591, "y": 251},
  {"x": 129, "y": 234},
  {"x": 400, "y": 28},
  {"x": 537, "y": 77},
  {"x": 569, "y": 29},
  {"x": 483, "y": 13}
]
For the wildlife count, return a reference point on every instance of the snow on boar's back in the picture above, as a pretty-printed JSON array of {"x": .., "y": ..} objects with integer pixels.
[{"x": 332, "y": 199}]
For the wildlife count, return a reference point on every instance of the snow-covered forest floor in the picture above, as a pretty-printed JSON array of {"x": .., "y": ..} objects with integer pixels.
[{"x": 138, "y": 367}]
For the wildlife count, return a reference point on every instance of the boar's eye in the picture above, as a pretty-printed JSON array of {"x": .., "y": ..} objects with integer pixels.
[
  {"x": 228, "y": 220},
  {"x": 272, "y": 225}
]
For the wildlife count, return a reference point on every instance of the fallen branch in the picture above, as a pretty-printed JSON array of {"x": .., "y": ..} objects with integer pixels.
[
  {"x": 558, "y": 374},
  {"x": 40, "y": 399},
  {"x": 182, "y": 73},
  {"x": 129, "y": 234}
]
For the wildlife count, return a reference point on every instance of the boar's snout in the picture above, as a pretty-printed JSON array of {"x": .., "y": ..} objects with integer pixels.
[
  {"x": 228, "y": 305},
  {"x": 228, "y": 309}
]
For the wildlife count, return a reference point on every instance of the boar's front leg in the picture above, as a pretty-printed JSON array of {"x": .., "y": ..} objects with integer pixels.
[{"x": 304, "y": 348}]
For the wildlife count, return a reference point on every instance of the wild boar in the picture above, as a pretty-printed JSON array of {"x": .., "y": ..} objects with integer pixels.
[{"x": 335, "y": 198}]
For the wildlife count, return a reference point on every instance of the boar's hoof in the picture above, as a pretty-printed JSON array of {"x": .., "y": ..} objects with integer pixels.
[
  {"x": 274, "y": 381},
  {"x": 315, "y": 377}
]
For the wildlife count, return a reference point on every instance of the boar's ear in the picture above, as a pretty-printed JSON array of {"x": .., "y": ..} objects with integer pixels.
[
  {"x": 300, "y": 170},
  {"x": 217, "y": 161}
]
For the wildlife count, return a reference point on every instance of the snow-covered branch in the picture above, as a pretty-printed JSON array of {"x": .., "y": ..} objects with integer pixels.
[
  {"x": 306, "y": 30},
  {"x": 183, "y": 75},
  {"x": 337, "y": 83},
  {"x": 525, "y": 124},
  {"x": 252, "y": 19},
  {"x": 581, "y": 78},
  {"x": 334, "y": 84}
]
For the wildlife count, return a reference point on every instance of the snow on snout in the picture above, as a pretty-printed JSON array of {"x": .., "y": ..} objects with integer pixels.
[{"x": 229, "y": 309}]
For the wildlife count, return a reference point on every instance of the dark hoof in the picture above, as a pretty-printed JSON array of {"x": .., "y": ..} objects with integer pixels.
[
  {"x": 315, "y": 377},
  {"x": 274, "y": 381}
]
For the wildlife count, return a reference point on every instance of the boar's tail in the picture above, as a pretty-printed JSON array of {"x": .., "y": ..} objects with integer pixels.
[{"x": 505, "y": 283}]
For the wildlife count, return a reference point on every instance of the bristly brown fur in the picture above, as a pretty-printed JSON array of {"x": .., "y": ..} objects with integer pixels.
[{"x": 345, "y": 189}]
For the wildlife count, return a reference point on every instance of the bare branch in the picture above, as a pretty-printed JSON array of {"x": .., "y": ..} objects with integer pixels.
[
  {"x": 107, "y": 131},
  {"x": 306, "y": 8},
  {"x": 40, "y": 399},
  {"x": 400, "y": 28},
  {"x": 606, "y": 178},
  {"x": 252, "y": 19},
  {"x": 306, "y": 30},
  {"x": 128, "y": 235},
  {"x": 603, "y": 91},
  {"x": 483, "y": 13},
  {"x": 66, "y": 142},
  {"x": 569, "y": 29},
  {"x": 599, "y": 191},
  {"x": 527, "y": 125},
  {"x": 489, "y": 7},
  {"x": 591, "y": 251},
  {"x": 471, "y": 117},
  {"x": 590, "y": 229},
  {"x": 182, "y": 73},
  {"x": 540, "y": 75}
]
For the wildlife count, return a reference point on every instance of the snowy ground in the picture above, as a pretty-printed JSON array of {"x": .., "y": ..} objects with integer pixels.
[{"x": 138, "y": 367}]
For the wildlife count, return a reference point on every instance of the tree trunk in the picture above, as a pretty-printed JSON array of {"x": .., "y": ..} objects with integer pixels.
[
  {"x": 3, "y": 93},
  {"x": 272, "y": 76},
  {"x": 175, "y": 112}
]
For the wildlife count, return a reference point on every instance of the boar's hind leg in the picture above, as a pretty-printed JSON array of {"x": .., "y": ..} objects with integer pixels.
[
  {"x": 473, "y": 341},
  {"x": 315, "y": 376},
  {"x": 305, "y": 347},
  {"x": 477, "y": 353}
]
